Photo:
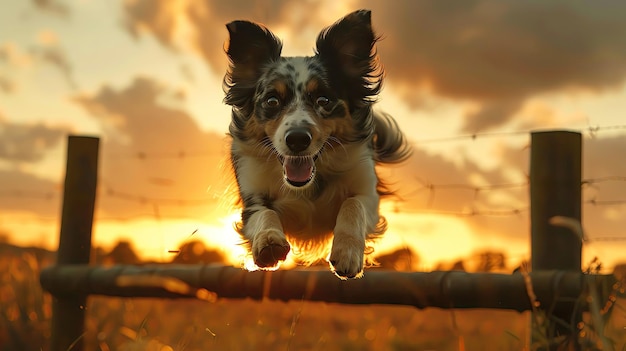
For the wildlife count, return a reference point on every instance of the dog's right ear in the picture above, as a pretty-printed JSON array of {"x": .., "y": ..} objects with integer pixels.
[
  {"x": 347, "y": 49},
  {"x": 249, "y": 48}
]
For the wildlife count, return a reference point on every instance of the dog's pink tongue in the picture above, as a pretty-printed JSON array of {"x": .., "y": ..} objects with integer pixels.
[{"x": 298, "y": 169}]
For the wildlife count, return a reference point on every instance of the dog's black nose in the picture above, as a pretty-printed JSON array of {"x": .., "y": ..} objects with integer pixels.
[{"x": 298, "y": 139}]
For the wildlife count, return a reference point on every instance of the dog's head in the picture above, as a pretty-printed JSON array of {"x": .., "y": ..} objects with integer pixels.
[{"x": 299, "y": 107}]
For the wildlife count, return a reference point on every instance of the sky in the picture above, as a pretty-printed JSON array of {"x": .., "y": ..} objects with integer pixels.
[{"x": 467, "y": 82}]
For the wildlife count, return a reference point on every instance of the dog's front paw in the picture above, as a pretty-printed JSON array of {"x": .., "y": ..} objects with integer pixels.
[
  {"x": 346, "y": 257},
  {"x": 269, "y": 247}
]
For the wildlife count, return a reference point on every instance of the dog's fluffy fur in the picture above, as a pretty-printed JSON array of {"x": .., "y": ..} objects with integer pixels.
[{"x": 305, "y": 143}]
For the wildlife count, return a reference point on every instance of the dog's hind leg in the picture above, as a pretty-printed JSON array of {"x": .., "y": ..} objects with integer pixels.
[{"x": 265, "y": 232}]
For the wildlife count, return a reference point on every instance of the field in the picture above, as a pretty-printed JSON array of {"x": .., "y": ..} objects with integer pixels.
[{"x": 162, "y": 325}]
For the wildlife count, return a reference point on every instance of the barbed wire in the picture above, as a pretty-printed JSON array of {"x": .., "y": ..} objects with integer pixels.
[
  {"x": 468, "y": 213},
  {"x": 145, "y": 215},
  {"x": 158, "y": 218},
  {"x": 29, "y": 194},
  {"x": 182, "y": 154},
  {"x": 180, "y": 202},
  {"x": 592, "y": 130},
  {"x": 175, "y": 155},
  {"x": 475, "y": 188},
  {"x": 112, "y": 192},
  {"x": 424, "y": 185},
  {"x": 604, "y": 179},
  {"x": 589, "y": 130},
  {"x": 607, "y": 238},
  {"x": 472, "y": 137},
  {"x": 605, "y": 202}
]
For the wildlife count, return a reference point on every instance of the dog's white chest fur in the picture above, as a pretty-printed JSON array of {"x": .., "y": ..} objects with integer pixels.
[{"x": 311, "y": 213}]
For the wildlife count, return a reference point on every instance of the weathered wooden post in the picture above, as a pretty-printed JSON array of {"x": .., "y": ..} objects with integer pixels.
[
  {"x": 79, "y": 195},
  {"x": 555, "y": 190}
]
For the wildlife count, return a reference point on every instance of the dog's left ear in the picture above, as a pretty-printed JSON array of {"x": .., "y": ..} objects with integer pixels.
[
  {"x": 251, "y": 46},
  {"x": 348, "y": 46}
]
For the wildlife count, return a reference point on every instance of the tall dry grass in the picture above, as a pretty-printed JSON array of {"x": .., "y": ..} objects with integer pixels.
[
  {"x": 25, "y": 310},
  {"x": 163, "y": 325}
]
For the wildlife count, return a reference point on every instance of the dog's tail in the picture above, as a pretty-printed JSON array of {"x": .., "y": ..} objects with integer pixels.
[{"x": 390, "y": 144}]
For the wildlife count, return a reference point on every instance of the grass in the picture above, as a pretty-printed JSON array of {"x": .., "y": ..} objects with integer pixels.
[
  {"x": 163, "y": 325},
  {"x": 250, "y": 325},
  {"x": 25, "y": 310}
]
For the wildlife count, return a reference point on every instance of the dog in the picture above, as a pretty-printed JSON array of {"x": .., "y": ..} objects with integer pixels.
[{"x": 306, "y": 142}]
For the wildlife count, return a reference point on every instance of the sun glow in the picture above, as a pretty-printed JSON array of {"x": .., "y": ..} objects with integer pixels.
[{"x": 157, "y": 240}]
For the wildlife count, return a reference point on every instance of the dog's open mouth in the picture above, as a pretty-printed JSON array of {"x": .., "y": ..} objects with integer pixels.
[{"x": 299, "y": 170}]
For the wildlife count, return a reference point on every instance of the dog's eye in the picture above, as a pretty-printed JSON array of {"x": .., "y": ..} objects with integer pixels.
[
  {"x": 322, "y": 101},
  {"x": 272, "y": 102}
]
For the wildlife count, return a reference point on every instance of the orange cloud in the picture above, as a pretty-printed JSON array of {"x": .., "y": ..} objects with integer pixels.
[
  {"x": 156, "y": 155},
  {"x": 54, "y": 7},
  {"x": 500, "y": 53},
  {"x": 496, "y": 54},
  {"x": 204, "y": 21},
  {"x": 27, "y": 143},
  {"x": 56, "y": 57}
]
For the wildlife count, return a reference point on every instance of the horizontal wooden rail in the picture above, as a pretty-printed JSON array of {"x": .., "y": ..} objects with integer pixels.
[{"x": 433, "y": 289}]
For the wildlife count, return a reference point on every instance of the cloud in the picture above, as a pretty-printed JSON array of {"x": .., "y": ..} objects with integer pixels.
[
  {"x": 491, "y": 114},
  {"x": 155, "y": 16},
  {"x": 45, "y": 51},
  {"x": 4, "y": 53},
  {"x": 54, "y": 7},
  {"x": 206, "y": 20},
  {"x": 155, "y": 161},
  {"x": 431, "y": 184},
  {"x": 28, "y": 143},
  {"x": 6, "y": 86},
  {"x": 495, "y": 54},
  {"x": 137, "y": 112},
  {"x": 148, "y": 154},
  {"x": 499, "y": 53},
  {"x": 606, "y": 170},
  {"x": 13, "y": 56},
  {"x": 56, "y": 57},
  {"x": 601, "y": 158},
  {"x": 209, "y": 20},
  {"x": 20, "y": 191},
  {"x": 154, "y": 154}
]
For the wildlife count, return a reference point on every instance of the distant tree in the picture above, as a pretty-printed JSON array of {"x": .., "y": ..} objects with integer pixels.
[
  {"x": 122, "y": 253},
  {"x": 491, "y": 261},
  {"x": 457, "y": 265},
  {"x": 194, "y": 252},
  {"x": 403, "y": 259},
  {"x": 4, "y": 236}
]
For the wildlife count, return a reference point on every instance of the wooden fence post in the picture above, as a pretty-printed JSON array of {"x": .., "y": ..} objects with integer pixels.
[
  {"x": 79, "y": 195},
  {"x": 555, "y": 190}
]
